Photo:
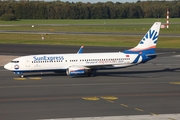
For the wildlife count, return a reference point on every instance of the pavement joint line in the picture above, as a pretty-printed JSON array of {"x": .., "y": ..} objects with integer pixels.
[
  {"x": 111, "y": 98},
  {"x": 110, "y": 101},
  {"x": 138, "y": 109},
  {"x": 124, "y": 105},
  {"x": 171, "y": 118},
  {"x": 153, "y": 113}
]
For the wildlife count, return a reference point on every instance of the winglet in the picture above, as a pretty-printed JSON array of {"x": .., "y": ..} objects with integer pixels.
[{"x": 80, "y": 50}]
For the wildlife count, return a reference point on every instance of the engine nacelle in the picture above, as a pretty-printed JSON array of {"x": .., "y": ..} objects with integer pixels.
[{"x": 75, "y": 71}]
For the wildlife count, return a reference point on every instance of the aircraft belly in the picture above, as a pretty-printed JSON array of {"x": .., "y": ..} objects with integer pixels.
[{"x": 117, "y": 66}]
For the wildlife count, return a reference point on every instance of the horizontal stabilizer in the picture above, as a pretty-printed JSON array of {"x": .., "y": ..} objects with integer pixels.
[
  {"x": 158, "y": 54},
  {"x": 150, "y": 55}
]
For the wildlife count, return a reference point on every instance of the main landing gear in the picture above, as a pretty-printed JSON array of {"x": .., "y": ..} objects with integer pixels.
[{"x": 91, "y": 73}]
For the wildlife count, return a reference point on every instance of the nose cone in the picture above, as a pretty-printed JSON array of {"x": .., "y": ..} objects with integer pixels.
[{"x": 7, "y": 66}]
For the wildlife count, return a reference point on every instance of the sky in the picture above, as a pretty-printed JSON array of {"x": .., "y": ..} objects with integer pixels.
[{"x": 95, "y": 1}]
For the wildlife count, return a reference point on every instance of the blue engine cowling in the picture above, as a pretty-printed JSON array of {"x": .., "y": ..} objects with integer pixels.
[{"x": 75, "y": 71}]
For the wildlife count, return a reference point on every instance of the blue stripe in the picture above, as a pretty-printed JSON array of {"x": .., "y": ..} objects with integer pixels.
[
  {"x": 143, "y": 54},
  {"x": 137, "y": 58},
  {"x": 26, "y": 71}
]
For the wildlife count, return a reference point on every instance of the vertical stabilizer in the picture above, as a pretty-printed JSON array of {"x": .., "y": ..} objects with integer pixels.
[{"x": 149, "y": 40}]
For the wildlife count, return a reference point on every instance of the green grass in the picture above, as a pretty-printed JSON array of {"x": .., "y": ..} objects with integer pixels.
[
  {"x": 174, "y": 28},
  {"x": 86, "y": 40},
  {"x": 166, "y": 42},
  {"x": 114, "y": 26},
  {"x": 119, "y": 25},
  {"x": 87, "y": 21}
]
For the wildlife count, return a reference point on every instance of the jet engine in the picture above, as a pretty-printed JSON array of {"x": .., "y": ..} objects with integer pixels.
[{"x": 77, "y": 71}]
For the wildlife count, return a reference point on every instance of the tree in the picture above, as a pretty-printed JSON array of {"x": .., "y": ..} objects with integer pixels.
[{"x": 8, "y": 17}]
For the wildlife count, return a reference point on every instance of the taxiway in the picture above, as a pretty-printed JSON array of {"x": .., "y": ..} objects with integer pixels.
[{"x": 147, "y": 89}]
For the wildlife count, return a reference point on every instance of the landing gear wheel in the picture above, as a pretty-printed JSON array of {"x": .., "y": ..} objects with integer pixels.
[
  {"x": 22, "y": 75},
  {"x": 91, "y": 73}
]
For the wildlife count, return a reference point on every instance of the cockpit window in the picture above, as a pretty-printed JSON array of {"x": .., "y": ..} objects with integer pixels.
[{"x": 14, "y": 61}]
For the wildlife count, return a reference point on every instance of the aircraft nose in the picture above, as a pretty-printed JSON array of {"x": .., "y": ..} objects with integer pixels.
[{"x": 7, "y": 66}]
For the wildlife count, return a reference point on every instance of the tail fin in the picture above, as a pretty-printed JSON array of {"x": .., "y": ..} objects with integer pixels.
[{"x": 148, "y": 42}]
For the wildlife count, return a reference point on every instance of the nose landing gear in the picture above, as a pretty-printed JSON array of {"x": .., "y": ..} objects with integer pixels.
[
  {"x": 19, "y": 73},
  {"x": 22, "y": 76}
]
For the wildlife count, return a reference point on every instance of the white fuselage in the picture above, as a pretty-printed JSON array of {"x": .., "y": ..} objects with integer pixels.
[{"x": 53, "y": 62}]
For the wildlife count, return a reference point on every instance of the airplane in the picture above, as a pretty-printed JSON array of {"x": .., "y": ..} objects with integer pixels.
[{"x": 81, "y": 64}]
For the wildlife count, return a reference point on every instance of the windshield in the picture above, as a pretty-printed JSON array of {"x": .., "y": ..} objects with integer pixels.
[{"x": 14, "y": 61}]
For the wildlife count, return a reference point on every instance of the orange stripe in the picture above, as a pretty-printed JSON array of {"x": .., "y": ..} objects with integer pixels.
[{"x": 136, "y": 49}]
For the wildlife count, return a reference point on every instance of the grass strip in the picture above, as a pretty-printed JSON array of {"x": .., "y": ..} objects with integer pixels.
[{"x": 86, "y": 40}]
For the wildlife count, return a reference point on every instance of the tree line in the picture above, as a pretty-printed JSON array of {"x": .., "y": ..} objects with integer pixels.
[{"x": 79, "y": 10}]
